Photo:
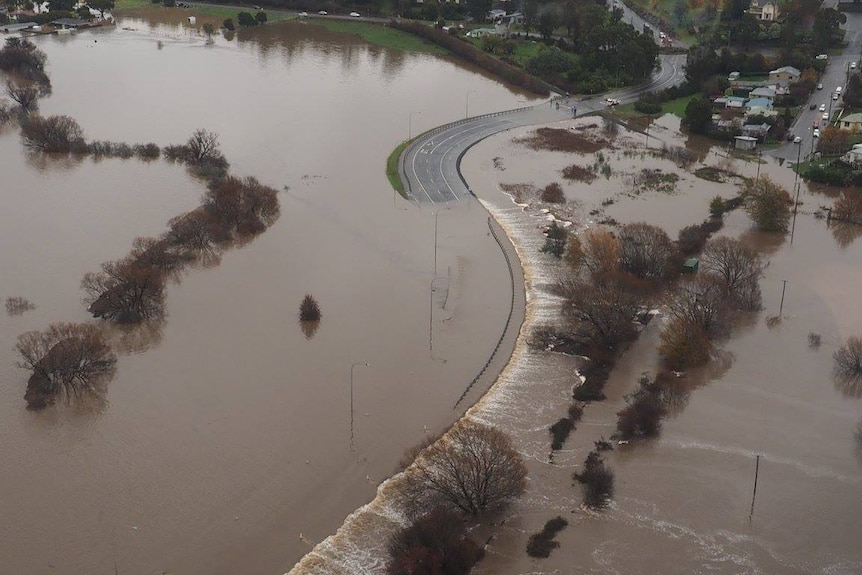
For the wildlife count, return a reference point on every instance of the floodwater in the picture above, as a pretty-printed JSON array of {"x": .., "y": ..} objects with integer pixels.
[
  {"x": 683, "y": 502},
  {"x": 231, "y": 440}
]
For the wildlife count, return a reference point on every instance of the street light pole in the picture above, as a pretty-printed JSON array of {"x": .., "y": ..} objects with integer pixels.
[
  {"x": 467, "y": 104},
  {"x": 431, "y": 317},
  {"x": 437, "y": 213},
  {"x": 353, "y": 365},
  {"x": 410, "y": 125}
]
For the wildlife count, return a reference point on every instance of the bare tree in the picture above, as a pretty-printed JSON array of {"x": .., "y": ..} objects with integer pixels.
[
  {"x": 126, "y": 291},
  {"x": 203, "y": 147},
  {"x": 601, "y": 252},
  {"x": 768, "y": 204},
  {"x": 848, "y": 358},
  {"x": 606, "y": 307},
  {"x": 474, "y": 468},
  {"x": 309, "y": 309},
  {"x": 597, "y": 481},
  {"x": 848, "y": 207},
  {"x": 684, "y": 345},
  {"x": 240, "y": 207},
  {"x": 701, "y": 302},
  {"x": 739, "y": 266},
  {"x": 70, "y": 359},
  {"x": 646, "y": 251},
  {"x": 54, "y": 134},
  {"x": 435, "y": 543},
  {"x": 25, "y": 95},
  {"x": 196, "y": 233}
]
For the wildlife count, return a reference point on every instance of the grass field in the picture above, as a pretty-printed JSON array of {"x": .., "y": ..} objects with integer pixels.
[
  {"x": 380, "y": 35},
  {"x": 675, "y": 107},
  {"x": 392, "y": 169}
]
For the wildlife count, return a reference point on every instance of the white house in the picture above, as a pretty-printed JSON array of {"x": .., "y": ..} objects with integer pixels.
[
  {"x": 764, "y": 9},
  {"x": 854, "y": 156},
  {"x": 763, "y": 92}
]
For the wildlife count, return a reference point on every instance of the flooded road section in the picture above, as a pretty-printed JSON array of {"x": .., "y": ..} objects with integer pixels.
[
  {"x": 228, "y": 443},
  {"x": 683, "y": 502}
]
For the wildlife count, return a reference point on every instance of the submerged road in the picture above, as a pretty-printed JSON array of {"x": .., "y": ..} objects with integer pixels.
[{"x": 429, "y": 166}]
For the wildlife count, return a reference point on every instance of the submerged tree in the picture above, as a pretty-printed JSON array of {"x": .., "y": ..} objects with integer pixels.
[
  {"x": 768, "y": 205},
  {"x": 473, "y": 469},
  {"x": 434, "y": 544},
  {"x": 597, "y": 481},
  {"x": 848, "y": 358},
  {"x": 739, "y": 266},
  {"x": 70, "y": 359},
  {"x": 130, "y": 290},
  {"x": 309, "y": 309},
  {"x": 54, "y": 134}
]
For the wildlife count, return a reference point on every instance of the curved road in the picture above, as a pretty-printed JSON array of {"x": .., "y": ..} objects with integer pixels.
[{"x": 429, "y": 165}]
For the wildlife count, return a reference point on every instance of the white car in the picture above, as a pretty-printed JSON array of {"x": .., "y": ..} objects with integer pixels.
[
  {"x": 816, "y": 133},
  {"x": 834, "y": 95},
  {"x": 838, "y": 89},
  {"x": 852, "y": 65},
  {"x": 303, "y": 14},
  {"x": 819, "y": 86},
  {"x": 354, "y": 14},
  {"x": 822, "y": 107},
  {"x": 797, "y": 140},
  {"x": 825, "y": 116},
  {"x": 323, "y": 12},
  {"x": 612, "y": 101}
]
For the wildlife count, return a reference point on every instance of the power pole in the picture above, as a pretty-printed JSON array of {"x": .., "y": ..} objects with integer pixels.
[{"x": 754, "y": 493}]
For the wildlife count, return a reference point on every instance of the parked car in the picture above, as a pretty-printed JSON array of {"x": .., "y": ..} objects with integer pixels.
[
  {"x": 612, "y": 101},
  {"x": 825, "y": 116},
  {"x": 838, "y": 89},
  {"x": 323, "y": 12},
  {"x": 821, "y": 57},
  {"x": 852, "y": 65},
  {"x": 822, "y": 107},
  {"x": 797, "y": 140},
  {"x": 354, "y": 14},
  {"x": 303, "y": 14},
  {"x": 819, "y": 86},
  {"x": 834, "y": 95},
  {"x": 812, "y": 106},
  {"x": 816, "y": 133}
]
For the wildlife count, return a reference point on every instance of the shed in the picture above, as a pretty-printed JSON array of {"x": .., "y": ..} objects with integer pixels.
[
  {"x": 690, "y": 265},
  {"x": 745, "y": 142},
  {"x": 16, "y": 27},
  {"x": 69, "y": 23}
]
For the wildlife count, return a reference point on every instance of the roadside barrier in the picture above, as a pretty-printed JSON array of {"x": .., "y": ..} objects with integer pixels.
[{"x": 508, "y": 319}]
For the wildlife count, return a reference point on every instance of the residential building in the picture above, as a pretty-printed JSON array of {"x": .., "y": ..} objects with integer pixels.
[
  {"x": 763, "y": 92},
  {"x": 785, "y": 74},
  {"x": 851, "y": 122},
  {"x": 764, "y": 10}
]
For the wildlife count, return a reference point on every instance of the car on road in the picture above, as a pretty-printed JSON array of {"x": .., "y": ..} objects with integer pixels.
[
  {"x": 825, "y": 116},
  {"x": 323, "y": 12},
  {"x": 838, "y": 89},
  {"x": 821, "y": 57},
  {"x": 797, "y": 140},
  {"x": 834, "y": 95},
  {"x": 354, "y": 14},
  {"x": 303, "y": 14},
  {"x": 612, "y": 101},
  {"x": 816, "y": 133},
  {"x": 256, "y": 7},
  {"x": 819, "y": 86},
  {"x": 852, "y": 65},
  {"x": 822, "y": 107},
  {"x": 812, "y": 106}
]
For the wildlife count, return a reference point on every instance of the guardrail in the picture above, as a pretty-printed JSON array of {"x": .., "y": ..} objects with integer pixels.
[{"x": 508, "y": 319}]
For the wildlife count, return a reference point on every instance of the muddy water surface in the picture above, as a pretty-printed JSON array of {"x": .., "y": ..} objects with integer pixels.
[
  {"x": 683, "y": 501},
  {"x": 225, "y": 445}
]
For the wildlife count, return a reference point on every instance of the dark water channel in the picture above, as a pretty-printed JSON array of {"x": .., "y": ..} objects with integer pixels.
[{"x": 225, "y": 445}]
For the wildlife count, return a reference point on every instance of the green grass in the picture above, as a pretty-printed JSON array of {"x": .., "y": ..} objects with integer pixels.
[
  {"x": 677, "y": 107},
  {"x": 217, "y": 12},
  {"x": 392, "y": 169},
  {"x": 380, "y": 35}
]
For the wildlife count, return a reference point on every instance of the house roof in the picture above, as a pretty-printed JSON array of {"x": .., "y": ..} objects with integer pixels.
[
  {"x": 756, "y": 127},
  {"x": 71, "y": 22},
  {"x": 762, "y": 92},
  {"x": 853, "y": 118},
  {"x": 759, "y": 103},
  {"x": 762, "y": 3},
  {"x": 786, "y": 70}
]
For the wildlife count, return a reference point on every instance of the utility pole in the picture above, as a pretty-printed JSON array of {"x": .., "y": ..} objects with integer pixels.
[
  {"x": 781, "y": 306},
  {"x": 754, "y": 493}
]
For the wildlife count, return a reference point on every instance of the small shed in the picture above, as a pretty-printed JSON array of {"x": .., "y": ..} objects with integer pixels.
[
  {"x": 745, "y": 142},
  {"x": 690, "y": 265}
]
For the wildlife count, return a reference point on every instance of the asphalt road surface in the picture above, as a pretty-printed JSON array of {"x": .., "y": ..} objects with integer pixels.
[
  {"x": 835, "y": 75},
  {"x": 429, "y": 165}
]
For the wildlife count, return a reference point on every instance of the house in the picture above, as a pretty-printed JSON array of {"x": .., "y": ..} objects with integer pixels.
[
  {"x": 733, "y": 76},
  {"x": 758, "y": 105},
  {"x": 734, "y": 102},
  {"x": 854, "y": 156},
  {"x": 763, "y": 92},
  {"x": 494, "y": 15},
  {"x": 66, "y": 23},
  {"x": 483, "y": 32},
  {"x": 745, "y": 142},
  {"x": 16, "y": 27},
  {"x": 785, "y": 74},
  {"x": 764, "y": 9},
  {"x": 757, "y": 131},
  {"x": 851, "y": 122}
]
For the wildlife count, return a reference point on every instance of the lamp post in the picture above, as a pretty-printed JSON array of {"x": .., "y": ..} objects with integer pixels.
[
  {"x": 437, "y": 213},
  {"x": 431, "y": 317},
  {"x": 798, "y": 154},
  {"x": 467, "y": 104},
  {"x": 410, "y": 125},
  {"x": 353, "y": 365}
]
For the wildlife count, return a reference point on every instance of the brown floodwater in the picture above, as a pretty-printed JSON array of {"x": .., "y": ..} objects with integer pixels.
[
  {"x": 683, "y": 502},
  {"x": 227, "y": 442}
]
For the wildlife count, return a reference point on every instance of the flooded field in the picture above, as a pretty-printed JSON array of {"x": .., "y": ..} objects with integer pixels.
[
  {"x": 228, "y": 443},
  {"x": 683, "y": 501}
]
